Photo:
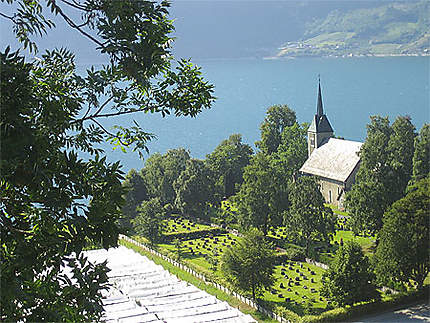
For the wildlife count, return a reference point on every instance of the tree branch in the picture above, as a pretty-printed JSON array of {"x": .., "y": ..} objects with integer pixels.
[
  {"x": 76, "y": 5},
  {"x": 10, "y": 226},
  {"x": 109, "y": 133},
  {"x": 72, "y": 24},
  {"x": 7, "y": 17}
]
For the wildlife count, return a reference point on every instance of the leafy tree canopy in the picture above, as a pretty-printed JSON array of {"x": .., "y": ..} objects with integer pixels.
[
  {"x": 161, "y": 171},
  {"x": 404, "y": 247},
  {"x": 263, "y": 195},
  {"x": 49, "y": 116},
  {"x": 349, "y": 279},
  {"x": 136, "y": 193},
  {"x": 293, "y": 150},
  {"x": 421, "y": 160},
  {"x": 194, "y": 189},
  {"x": 227, "y": 162},
  {"x": 385, "y": 170},
  {"x": 307, "y": 216},
  {"x": 277, "y": 118},
  {"x": 249, "y": 265},
  {"x": 148, "y": 222}
]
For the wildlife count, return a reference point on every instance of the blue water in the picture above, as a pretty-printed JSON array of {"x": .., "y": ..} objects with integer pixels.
[{"x": 353, "y": 89}]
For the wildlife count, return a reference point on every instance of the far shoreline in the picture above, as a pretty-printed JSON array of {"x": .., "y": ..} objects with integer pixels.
[{"x": 343, "y": 56}]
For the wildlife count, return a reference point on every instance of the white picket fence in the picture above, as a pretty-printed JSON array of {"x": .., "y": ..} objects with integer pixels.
[{"x": 243, "y": 299}]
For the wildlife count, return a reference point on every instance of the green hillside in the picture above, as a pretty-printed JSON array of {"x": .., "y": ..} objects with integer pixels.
[{"x": 401, "y": 28}]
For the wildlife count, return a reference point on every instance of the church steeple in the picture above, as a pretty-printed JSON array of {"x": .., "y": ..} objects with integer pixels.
[
  {"x": 320, "y": 111},
  {"x": 320, "y": 129}
]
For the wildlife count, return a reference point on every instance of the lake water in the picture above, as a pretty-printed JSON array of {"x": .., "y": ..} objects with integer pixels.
[{"x": 353, "y": 89}]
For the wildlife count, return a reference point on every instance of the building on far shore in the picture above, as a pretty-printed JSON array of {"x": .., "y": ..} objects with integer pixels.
[{"x": 334, "y": 161}]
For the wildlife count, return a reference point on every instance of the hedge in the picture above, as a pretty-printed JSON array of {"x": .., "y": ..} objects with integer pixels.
[
  {"x": 341, "y": 314},
  {"x": 193, "y": 234}
]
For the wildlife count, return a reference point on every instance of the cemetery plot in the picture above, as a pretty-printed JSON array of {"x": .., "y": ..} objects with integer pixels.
[
  {"x": 178, "y": 224},
  {"x": 198, "y": 250},
  {"x": 278, "y": 233},
  {"x": 297, "y": 284}
]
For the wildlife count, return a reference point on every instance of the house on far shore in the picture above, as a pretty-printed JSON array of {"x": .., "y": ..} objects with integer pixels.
[{"x": 334, "y": 161}]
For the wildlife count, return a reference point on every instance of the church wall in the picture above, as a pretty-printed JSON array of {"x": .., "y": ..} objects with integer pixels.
[
  {"x": 332, "y": 191},
  {"x": 351, "y": 179}
]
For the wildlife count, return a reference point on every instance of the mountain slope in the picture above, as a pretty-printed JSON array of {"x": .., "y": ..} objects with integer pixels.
[{"x": 394, "y": 29}]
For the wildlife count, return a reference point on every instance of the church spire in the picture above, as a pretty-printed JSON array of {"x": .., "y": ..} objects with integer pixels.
[{"x": 320, "y": 111}]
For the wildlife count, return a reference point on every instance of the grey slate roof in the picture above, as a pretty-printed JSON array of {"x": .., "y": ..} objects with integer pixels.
[{"x": 335, "y": 160}]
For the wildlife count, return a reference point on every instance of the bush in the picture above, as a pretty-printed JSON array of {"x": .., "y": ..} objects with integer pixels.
[{"x": 295, "y": 253}]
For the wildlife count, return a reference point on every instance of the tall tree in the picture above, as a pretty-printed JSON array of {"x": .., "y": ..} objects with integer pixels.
[
  {"x": 385, "y": 169},
  {"x": 250, "y": 264},
  {"x": 148, "y": 222},
  {"x": 401, "y": 148},
  {"x": 136, "y": 193},
  {"x": 421, "y": 160},
  {"x": 277, "y": 118},
  {"x": 161, "y": 171},
  {"x": 194, "y": 189},
  {"x": 307, "y": 216},
  {"x": 227, "y": 162},
  {"x": 403, "y": 253},
  {"x": 292, "y": 151},
  {"x": 50, "y": 114},
  {"x": 263, "y": 195},
  {"x": 349, "y": 279}
]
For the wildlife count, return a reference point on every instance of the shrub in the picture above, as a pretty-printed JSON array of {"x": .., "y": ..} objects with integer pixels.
[{"x": 295, "y": 253}]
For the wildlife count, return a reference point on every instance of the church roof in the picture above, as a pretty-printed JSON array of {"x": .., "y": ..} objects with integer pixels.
[
  {"x": 335, "y": 160},
  {"x": 320, "y": 124}
]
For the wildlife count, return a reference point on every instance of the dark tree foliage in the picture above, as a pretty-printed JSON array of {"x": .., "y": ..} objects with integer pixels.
[
  {"x": 308, "y": 217},
  {"x": 421, "y": 160},
  {"x": 349, "y": 279},
  {"x": 250, "y": 264},
  {"x": 293, "y": 150},
  {"x": 52, "y": 201},
  {"x": 227, "y": 162},
  {"x": 194, "y": 189},
  {"x": 148, "y": 221},
  {"x": 263, "y": 195},
  {"x": 161, "y": 171},
  {"x": 278, "y": 117},
  {"x": 385, "y": 170},
  {"x": 136, "y": 193},
  {"x": 403, "y": 252}
]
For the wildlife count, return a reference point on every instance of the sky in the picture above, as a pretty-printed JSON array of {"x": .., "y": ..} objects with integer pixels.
[{"x": 210, "y": 29}]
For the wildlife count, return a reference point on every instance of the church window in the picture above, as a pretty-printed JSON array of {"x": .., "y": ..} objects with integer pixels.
[{"x": 329, "y": 197}]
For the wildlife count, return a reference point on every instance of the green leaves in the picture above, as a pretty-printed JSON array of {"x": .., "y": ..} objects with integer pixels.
[
  {"x": 385, "y": 170},
  {"x": 52, "y": 202},
  {"x": 349, "y": 279},
  {"x": 308, "y": 217},
  {"x": 403, "y": 251},
  {"x": 249, "y": 265},
  {"x": 277, "y": 118}
]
